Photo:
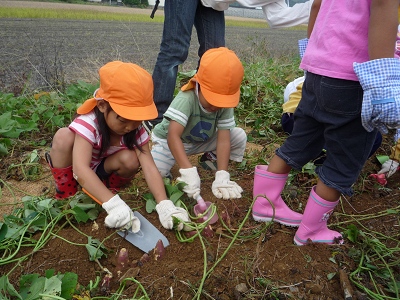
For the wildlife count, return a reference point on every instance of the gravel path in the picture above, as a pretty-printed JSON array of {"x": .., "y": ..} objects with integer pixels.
[{"x": 34, "y": 51}]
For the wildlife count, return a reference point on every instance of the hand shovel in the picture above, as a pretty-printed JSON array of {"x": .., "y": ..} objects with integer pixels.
[
  {"x": 201, "y": 207},
  {"x": 146, "y": 238}
]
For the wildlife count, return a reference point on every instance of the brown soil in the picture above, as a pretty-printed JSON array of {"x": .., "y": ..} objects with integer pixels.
[{"x": 269, "y": 266}]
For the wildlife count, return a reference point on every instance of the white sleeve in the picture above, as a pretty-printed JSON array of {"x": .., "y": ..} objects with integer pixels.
[
  {"x": 255, "y": 3},
  {"x": 278, "y": 14},
  {"x": 217, "y": 4}
]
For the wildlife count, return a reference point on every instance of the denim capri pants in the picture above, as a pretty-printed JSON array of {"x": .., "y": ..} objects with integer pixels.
[{"x": 329, "y": 116}]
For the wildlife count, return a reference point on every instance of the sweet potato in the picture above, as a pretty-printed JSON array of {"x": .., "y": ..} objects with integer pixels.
[
  {"x": 122, "y": 261},
  {"x": 159, "y": 250}
]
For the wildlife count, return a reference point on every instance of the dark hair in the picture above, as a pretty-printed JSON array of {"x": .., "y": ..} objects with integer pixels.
[{"x": 129, "y": 138}]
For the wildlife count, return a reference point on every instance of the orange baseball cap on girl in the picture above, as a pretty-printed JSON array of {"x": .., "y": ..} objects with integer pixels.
[
  {"x": 129, "y": 90},
  {"x": 220, "y": 75}
]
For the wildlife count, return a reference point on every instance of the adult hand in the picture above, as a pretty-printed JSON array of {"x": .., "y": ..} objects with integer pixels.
[
  {"x": 223, "y": 187},
  {"x": 120, "y": 215},
  {"x": 192, "y": 180},
  {"x": 380, "y": 80},
  {"x": 389, "y": 167},
  {"x": 166, "y": 210}
]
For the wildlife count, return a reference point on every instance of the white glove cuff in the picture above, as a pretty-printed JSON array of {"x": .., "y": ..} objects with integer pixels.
[
  {"x": 188, "y": 172},
  {"x": 113, "y": 203},
  {"x": 222, "y": 176},
  {"x": 165, "y": 206}
]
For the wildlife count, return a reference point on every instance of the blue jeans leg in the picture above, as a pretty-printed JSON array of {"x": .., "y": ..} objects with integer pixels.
[{"x": 180, "y": 17}]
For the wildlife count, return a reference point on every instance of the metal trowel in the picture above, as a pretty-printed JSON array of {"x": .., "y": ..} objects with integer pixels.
[{"x": 146, "y": 238}]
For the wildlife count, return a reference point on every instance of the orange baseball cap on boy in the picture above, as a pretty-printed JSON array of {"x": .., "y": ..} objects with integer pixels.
[
  {"x": 220, "y": 75},
  {"x": 129, "y": 90}
]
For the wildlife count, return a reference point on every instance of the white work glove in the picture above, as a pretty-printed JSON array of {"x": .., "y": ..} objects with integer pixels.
[
  {"x": 192, "y": 180},
  {"x": 389, "y": 167},
  {"x": 120, "y": 215},
  {"x": 166, "y": 210},
  {"x": 222, "y": 187}
]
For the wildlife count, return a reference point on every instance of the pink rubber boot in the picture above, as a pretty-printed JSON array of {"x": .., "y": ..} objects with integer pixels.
[
  {"x": 314, "y": 225},
  {"x": 115, "y": 182},
  {"x": 271, "y": 185},
  {"x": 66, "y": 185}
]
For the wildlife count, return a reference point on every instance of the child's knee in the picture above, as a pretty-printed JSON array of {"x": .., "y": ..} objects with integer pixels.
[
  {"x": 63, "y": 139},
  {"x": 129, "y": 161}
]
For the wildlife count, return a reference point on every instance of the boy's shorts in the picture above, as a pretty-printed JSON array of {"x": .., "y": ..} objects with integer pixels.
[{"x": 329, "y": 116}]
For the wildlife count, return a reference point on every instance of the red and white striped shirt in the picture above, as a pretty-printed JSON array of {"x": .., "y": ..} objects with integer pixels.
[{"x": 87, "y": 127}]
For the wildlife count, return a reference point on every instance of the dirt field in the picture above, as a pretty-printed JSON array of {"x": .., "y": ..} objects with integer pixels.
[
  {"x": 36, "y": 50},
  {"x": 266, "y": 267}
]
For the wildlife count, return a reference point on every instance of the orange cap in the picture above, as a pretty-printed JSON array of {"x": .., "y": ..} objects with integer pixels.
[
  {"x": 220, "y": 75},
  {"x": 129, "y": 90}
]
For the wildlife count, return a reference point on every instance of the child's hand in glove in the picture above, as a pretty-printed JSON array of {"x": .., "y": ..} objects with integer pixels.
[
  {"x": 223, "y": 187},
  {"x": 389, "y": 167},
  {"x": 166, "y": 210},
  {"x": 120, "y": 215},
  {"x": 380, "y": 80},
  {"x": 192, "y": 180}
]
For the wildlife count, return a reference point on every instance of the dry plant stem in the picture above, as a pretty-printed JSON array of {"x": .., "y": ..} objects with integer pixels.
[
  {"x": 104, "y": 269},
  {"x": 365, "y": 217},
  {"x": 204, "y": 292},
  {"x": 232, "y": 241},
  {"x": 344, "y": 282},
  {"x": 9, "y": 189}
]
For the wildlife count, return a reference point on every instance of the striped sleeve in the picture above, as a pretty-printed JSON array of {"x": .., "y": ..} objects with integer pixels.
[
  {"x": 226, "y": 120},
  {"x": 142, "y": 136},
  {"x": 85, "y": 126}
]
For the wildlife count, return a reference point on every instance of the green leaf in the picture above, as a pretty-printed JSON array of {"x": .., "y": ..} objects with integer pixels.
[
  {"x": 94, "y": 248},
  {"x": 6, "y": 288},
  {"x": 80, "y": 215},
  {"x": 93, "y": 213},
  {"x": 170, "y": 189},
  {"x": 31, "y": 286},
  {"x": 352, "y": 233},
  {"x": 3, "y": 231},
  {"x": 382, "y": 158},
  {"x": 180, "y": 185},
  {"x": 176, "y": 196},
  {"x": 331, "y": 275},
  {"x": 52, "y": 287},
  {"x": 3, "y": 148},
  {"x": 45, "y": 204},
  {"x": 49, "y": 273},
  {"x": 68, "y": 285},
  {"x": 148, "y": 196},
  {"x": 150, "y": 202},
  {"x": 150, "y": 206}
]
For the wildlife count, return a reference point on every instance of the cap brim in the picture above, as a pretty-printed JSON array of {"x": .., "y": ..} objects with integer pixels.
[
  {"x": 136, "y": 113},
  {"x": 223, "y": 101},
  {"x": 190, "y": 85},
  {"x": 87, "y": 106}
]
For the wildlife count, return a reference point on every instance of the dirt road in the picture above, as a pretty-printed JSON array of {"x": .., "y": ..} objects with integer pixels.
[{"x": 34, "y": 51}]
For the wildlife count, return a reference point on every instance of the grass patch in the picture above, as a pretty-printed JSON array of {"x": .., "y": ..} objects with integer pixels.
[
  {"x": 71, "y": 14},
  {"x": 92, "y": 14}
]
